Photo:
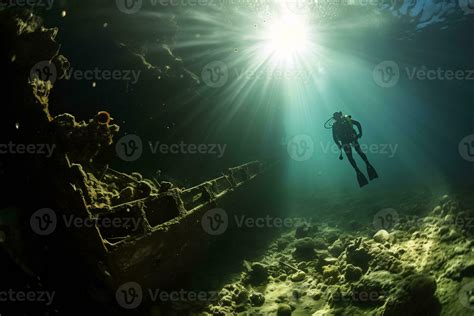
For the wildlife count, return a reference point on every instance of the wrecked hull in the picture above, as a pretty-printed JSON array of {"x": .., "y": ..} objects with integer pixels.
[{"x": 169, "y": 237}]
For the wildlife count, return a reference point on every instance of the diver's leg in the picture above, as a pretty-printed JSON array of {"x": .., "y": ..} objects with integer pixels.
[
  {"x": 360, "y": 176},
  {"x": 360, "y": 152},
  {"x": 370, "y": 169},
  {"x": 348, "y": 150}
]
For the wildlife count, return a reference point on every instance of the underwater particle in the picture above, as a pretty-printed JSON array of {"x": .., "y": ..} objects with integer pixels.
[
  {"x": 197, "y": 35},
  {"x": 181, "y": 76},
  {"x": 13, "y": 58},
  {"x": 236, "y": 50},
  {"x": 105, "y": 24},
  {"x": 17, "y": 125},
  {"x": 63, "y": 13},
  {"x": 94, "y": 84}
]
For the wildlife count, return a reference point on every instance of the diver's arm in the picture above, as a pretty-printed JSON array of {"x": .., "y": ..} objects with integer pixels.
[
  {"x": 336, "y": 140},
  {"x": 359, "y": 127}
]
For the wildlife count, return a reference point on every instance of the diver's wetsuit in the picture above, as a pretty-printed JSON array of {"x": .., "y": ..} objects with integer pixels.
[{"x": 344, "y": 135}]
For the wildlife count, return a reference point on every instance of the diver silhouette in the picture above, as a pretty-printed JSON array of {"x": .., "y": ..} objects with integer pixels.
[{"x": 344, "y": 136}]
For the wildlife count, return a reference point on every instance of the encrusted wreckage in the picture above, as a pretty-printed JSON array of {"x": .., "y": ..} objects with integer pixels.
[{"x": 159, "y": 229}]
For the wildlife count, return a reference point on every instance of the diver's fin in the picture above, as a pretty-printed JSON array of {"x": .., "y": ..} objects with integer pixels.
[
  {"x": 361, "y": 179},
  {"x": 371, "y": 172}
]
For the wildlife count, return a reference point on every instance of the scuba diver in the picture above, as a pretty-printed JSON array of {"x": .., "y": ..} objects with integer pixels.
[{"x": 344, "y": 136}]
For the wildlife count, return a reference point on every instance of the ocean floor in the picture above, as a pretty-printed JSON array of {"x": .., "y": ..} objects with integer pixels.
[{"x": 414, "y": 259}]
